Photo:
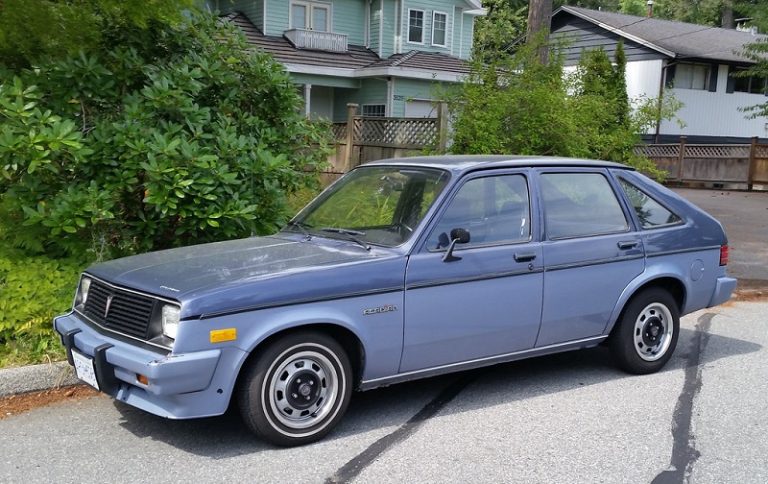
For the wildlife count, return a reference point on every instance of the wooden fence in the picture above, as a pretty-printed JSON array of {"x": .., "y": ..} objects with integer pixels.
[
  {"x": 742, "y": 165},
  {"x": 363, "y": 139}
]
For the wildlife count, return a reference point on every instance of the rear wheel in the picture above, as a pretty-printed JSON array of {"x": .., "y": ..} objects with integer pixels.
[
  {"x": 297, "y": 390},
  {"x": 646, "y": 335}
]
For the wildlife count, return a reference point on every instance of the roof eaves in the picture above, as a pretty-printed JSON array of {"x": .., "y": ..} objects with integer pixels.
[{"x": 617, "y": 31}]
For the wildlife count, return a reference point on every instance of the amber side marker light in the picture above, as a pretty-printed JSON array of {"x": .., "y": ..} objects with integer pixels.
[
  {"x": 222, "y": 335},
  {"x": 724, "y": 255},
  {"x": 142, "y": 379}
]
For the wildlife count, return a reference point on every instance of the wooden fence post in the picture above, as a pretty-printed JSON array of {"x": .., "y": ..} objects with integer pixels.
[
  {"x": 351, "y": 113},
  {"x": 681, "y": 157},
  {"x": 752, "y": 163},
  {"x": 442, "y": 126}
]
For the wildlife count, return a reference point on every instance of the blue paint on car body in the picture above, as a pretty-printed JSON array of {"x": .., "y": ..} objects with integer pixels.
[{"x": 498, "y": 300}]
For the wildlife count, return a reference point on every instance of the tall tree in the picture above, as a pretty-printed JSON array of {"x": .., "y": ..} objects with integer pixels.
[
  {"x": 498, "y": 32},
  {"x": 539, "y": 22}
]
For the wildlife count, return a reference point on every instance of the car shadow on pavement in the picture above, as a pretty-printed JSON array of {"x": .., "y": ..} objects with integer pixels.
[{"x": 226, "y": 436}]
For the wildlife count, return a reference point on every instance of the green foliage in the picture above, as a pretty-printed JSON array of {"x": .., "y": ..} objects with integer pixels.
[
  {"x": 497, "y": 32},
  {"x": 518, "y": 106},
  {"x": 758, "y": 53},
  {"x": 32, "y": 291},
  {"x": 32, "y": 31},
  {"x": 177, "y": 135}
]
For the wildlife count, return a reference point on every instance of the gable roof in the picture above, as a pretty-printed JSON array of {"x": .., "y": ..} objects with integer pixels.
[
  {"x": 285, "y": 53},
  {"x": 671, "y": 38},
  {"x": 357, "y": 61}
]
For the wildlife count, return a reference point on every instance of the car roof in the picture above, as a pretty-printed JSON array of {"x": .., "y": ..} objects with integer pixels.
[{"x": 463, "y": 163}]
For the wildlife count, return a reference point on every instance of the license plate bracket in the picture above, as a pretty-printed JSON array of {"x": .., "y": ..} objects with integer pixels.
[{"x": 85, "y": 369}]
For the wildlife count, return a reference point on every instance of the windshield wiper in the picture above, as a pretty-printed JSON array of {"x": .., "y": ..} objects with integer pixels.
[
  {"x": 302, "y": 227},
  {"x": 351, "y": 235}
]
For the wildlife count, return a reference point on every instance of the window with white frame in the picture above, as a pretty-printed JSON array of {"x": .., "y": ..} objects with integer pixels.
[
  {"x": 311, "y": 16},
  {"x": 376, "y": 110},
  {"x": 439, "y": 28},
  {"x": 416, "y": 26},
  {"x": 691, "y": 76}
]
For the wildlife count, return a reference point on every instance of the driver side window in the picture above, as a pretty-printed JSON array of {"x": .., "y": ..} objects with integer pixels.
[{"x": 494, "y": 209}]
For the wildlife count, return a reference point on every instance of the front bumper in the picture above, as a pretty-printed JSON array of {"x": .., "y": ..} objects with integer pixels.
[
  {"x": 187, "y": 385},
  {"x": 724, "y": 288}
]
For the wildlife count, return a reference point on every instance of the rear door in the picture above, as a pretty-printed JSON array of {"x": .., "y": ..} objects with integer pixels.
[
  {"x": 487, "y": 300},
  {"x": 591, "y": 252}
]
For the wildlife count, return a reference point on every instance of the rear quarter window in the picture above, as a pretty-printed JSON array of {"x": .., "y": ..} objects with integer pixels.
[
  {"x": 580, "y": 205},
  {"x": 650, "y": 212}
]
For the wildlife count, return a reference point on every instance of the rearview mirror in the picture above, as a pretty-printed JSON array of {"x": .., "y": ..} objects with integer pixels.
[{"x": 458, "y": 236}]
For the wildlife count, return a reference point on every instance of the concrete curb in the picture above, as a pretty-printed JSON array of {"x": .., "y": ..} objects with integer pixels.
[{"x": 33, "y": 378}]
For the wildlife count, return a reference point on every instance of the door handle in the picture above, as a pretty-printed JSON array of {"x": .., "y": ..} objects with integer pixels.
[
  {"x": 525, "y": 257},
  {"x": 627, "y": 244}
]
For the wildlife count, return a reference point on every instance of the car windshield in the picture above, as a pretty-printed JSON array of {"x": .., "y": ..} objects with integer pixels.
[{"x": 379, "y": 205}]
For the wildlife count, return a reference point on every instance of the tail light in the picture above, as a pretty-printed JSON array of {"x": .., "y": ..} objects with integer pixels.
[{"x": 724, "y": 255}]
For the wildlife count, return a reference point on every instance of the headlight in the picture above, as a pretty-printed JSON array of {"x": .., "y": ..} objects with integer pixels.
[
  {"x": 82, "y": 291},
  {"x": 171, "y": 320}
]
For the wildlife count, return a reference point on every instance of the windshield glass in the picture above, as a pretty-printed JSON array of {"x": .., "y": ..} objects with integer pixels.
[{"x": 379, "y": 205}]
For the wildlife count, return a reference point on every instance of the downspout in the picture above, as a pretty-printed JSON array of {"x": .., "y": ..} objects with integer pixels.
[
  {"x": 381, "y": 26},
  {"x": 398, "y": 25},
  {"x": 461, "y": 34},
  {"x": 264, "y": 19},
  {"x": 368, "y": 24},
  {"x": 390, "y": 96}
]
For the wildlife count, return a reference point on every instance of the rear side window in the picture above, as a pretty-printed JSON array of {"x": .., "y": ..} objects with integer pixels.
[
  {"x": 579, "y": 205},
  {"x": 650, "y": 212}
]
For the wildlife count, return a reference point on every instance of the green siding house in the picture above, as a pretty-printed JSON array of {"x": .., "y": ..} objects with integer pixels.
[{"x": 388, "y": 56}]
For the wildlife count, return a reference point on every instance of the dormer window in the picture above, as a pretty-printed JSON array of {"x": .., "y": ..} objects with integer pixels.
[
  {"x": 311, "y": 16},
  {"x": 416, "y": 26}
]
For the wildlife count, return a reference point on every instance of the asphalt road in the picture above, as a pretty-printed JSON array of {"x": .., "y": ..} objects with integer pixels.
[{"x": 564, "y": 418}]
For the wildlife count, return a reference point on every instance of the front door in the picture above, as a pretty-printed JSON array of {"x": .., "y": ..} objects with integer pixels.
[
  {"x": 486, "y": 301},
  {"x": 591, "y": 253}
]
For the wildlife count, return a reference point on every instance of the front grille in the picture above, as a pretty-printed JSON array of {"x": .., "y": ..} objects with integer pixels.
[{"x": 128, "y": 313}]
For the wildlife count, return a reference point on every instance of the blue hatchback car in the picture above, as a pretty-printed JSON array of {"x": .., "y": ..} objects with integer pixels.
[{"x": 402, "y": 269}]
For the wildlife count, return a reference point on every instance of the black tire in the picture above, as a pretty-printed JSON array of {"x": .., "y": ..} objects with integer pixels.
[
  {"x": 300, "y": 366},
  {"x": 641, "y": 342}
]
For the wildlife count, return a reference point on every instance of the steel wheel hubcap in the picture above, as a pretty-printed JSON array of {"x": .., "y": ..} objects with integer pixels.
[
  {"x": 303, "y": 389},
  {"x": 653, "y": 332}
]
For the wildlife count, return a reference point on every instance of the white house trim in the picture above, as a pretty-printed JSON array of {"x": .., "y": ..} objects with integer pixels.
[
  {"x": 375, "y": 72},
  {"x": 381, "y": 26}
]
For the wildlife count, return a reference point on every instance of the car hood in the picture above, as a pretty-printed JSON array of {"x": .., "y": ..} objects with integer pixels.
[{"x": 191, "y": 272}]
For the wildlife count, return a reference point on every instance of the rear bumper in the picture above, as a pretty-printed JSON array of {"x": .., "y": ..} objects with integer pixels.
[
  {"x": 723, "y": 290},
  {"x": 189, "y": 385}
]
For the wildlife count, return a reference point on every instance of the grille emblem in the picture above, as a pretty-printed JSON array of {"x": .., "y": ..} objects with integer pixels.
[{"x": 109, "y": 303}]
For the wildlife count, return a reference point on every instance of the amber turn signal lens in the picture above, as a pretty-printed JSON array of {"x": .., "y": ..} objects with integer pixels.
[{"x": 142, "y": 379}]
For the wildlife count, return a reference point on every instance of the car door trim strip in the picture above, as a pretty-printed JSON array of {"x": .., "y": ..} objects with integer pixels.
[
  {"x": 480, "y": 362},
  {"x": 596, "y": 262},
  {"x": 480, "y": 277}
]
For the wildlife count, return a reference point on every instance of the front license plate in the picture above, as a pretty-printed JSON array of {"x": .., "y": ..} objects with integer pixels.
[{"x": 84, "y": 369}]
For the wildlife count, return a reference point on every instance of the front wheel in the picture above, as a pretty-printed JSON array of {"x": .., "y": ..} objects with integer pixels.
[
  {"x": 297, "y": 390},
  {"x": 647, "y": 332}
]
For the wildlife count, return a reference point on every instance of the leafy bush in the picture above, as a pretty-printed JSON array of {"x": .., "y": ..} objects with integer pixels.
[
  {"x": 517, "y": 105},
  {"x": 32, "y": 291},
  {"x": 176, "y": 135}
]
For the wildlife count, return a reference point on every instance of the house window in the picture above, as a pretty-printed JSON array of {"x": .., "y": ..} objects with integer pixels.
[
  {"x": 691, "y": 76},
  {"x": 416, "y": 26},
  {"x": 439, "y": 28},
  {"x": 750, "y": 84},
  {"x": 311, "y": 16},
  {"x": 376, "y": 110}
]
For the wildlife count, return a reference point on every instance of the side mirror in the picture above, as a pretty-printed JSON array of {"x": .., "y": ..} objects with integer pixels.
[{"x": 458, "y": 236}]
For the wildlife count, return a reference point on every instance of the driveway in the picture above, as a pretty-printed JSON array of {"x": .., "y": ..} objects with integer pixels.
[
  {"x": 566, "y": 418},
  {"x": 745, "y": 217}
]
